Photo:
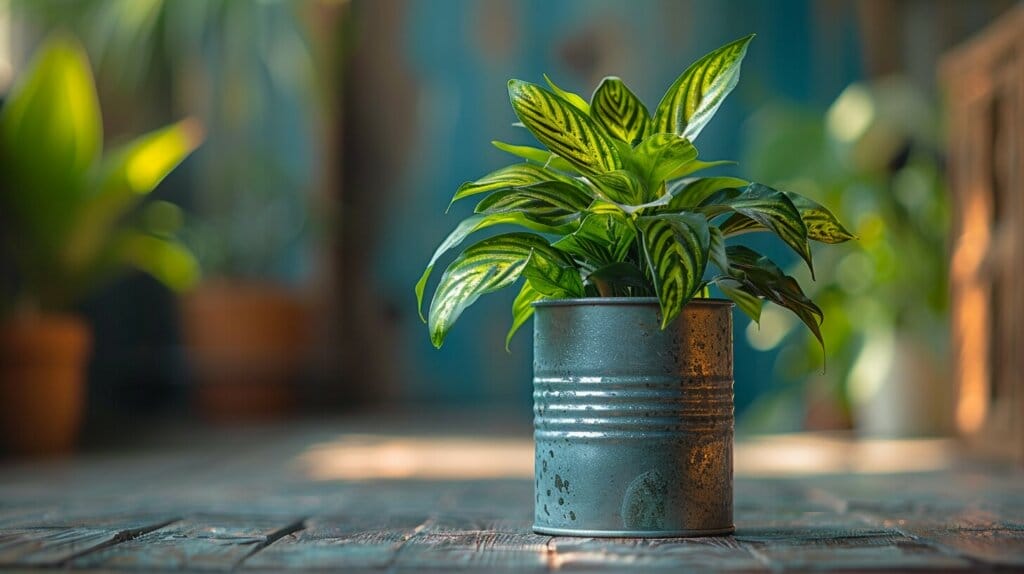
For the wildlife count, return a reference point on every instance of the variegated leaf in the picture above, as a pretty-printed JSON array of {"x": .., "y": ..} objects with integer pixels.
[
  {"x": 549, "y": 202},
  {"x": 515, "y": 175},
  {"x": 484, "y": 267},
  {"x": 659, "y": 155},
  {"x": 522, "y": 310},
  {"x": 553, "y": 274},
  {"x": 747, "y": 302},
  {"x": 676, "y": 249},
  {"x": 696, "y": 95},
  {"x": 769, "y": 208},
  {"x": 619, "y": 111},
  {"x": 575, "y": 100},
  {"x": 760, "y": 276},
  {"x": 564, "y": 129},
  {"x": 466, "y": 228},
  {"x": 716, "y": 249},
  {"x": 821, "y": 224}
]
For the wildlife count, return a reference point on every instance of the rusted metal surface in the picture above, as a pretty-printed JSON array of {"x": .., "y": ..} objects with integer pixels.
[{"x": 633, "y": 424}]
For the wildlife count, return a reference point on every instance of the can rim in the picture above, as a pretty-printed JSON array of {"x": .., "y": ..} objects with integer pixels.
[{"x": 627, "y": 301}]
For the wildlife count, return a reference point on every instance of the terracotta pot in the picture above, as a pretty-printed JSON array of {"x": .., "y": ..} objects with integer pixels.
[
  {"x": 247, "y": 343},
  {"x": 42, "y": 383}
]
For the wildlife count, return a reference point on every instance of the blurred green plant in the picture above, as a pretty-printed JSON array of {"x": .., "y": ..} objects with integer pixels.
[
  {"x": 245, "y": 69},
  {"x": 877, "y": 156},
  {"x": 71, "y": 215},
  {"x": 615, "y": 189}
]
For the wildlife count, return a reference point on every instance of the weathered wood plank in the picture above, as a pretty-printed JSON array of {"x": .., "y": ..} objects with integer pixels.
[
  {"x": 214, "y": 543},
  {"x": 1001, "y": 548},
  {"x": 712, "y": 554},
  {"x": 789, "y": 547},
  {"x": 57, "y": 541},
  {"x": 472, "y": 543},
  {"x": 339, "y": 543}
]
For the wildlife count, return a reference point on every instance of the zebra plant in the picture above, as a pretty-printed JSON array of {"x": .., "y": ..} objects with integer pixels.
[{"x": 612, "y": 208}]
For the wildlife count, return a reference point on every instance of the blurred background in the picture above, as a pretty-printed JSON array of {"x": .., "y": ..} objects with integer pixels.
[{"x": 270, "y": 275}]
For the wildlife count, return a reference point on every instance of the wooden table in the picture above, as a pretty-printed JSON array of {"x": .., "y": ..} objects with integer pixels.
[{"x": 447, "y": 494}]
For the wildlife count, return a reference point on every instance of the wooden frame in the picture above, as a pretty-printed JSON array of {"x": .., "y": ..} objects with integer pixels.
[{"x": 984, "y": 83}]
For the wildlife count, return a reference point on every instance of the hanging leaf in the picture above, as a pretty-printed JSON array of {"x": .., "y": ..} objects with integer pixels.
[
  {"x": 760, "y": 276},
  {"x": 615, "y": 108},
  {"x": 564, "y": 129},
  {"x": 466, "y": 228},
  {"x": 484, "y": 267},
  {"x": 716, "y": 249},
  {"x": 747, "y": 302},
  {"x": 769, "y": 208},
  {"x": 676, "y": 249},
  {"x": 522, "y": 310},
  {"x": 697, "y": 94}
]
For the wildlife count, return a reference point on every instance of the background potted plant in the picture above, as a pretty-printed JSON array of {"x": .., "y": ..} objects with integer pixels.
[
  {"x": 876, "y": 154},
  {"x": 248, "y": 73},
  {"x": 71, "y": 219},
  {"x": 632, "y": 359}
]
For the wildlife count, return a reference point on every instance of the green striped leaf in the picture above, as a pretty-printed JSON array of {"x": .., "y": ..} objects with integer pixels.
[
  {"x": 716, "y": 249},
  {"x": 615, "y": 108},
  {"x": 760, "y": 276},
  {"x": 660, "y": 155},
  {"x": 747, "y": 302},
  {"x": 484, "y": 267},
  {"x": 676, "y": 249},
  {"x": 696, "y": 95},
  {"x": 769, "y": 208},
  {"x": 564, "y": 129},
  {"x": 821, "y": 224},
  {"x": 541, "y": 156},
  {"x": 466, "y": 228},
  {"x": 522, "y": 310},
  {"x": 575, "y": 100},
  {"x": 550, "y": 202},
  {"x": 553, "y": 275},
  {"x": 515, "y": 175}
]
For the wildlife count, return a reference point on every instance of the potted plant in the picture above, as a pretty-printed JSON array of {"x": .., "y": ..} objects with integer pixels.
[
  {"x": 249, "y": 324},
  {"x": 70, "y": 221},
  {"x": 632, "y": 358}
]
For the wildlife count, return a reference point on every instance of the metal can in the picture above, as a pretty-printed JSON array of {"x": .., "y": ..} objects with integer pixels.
[{"x": 633, "y": 424}]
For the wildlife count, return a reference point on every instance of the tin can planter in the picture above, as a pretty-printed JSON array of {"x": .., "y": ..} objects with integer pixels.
[{"x": 633, "y": 425}]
